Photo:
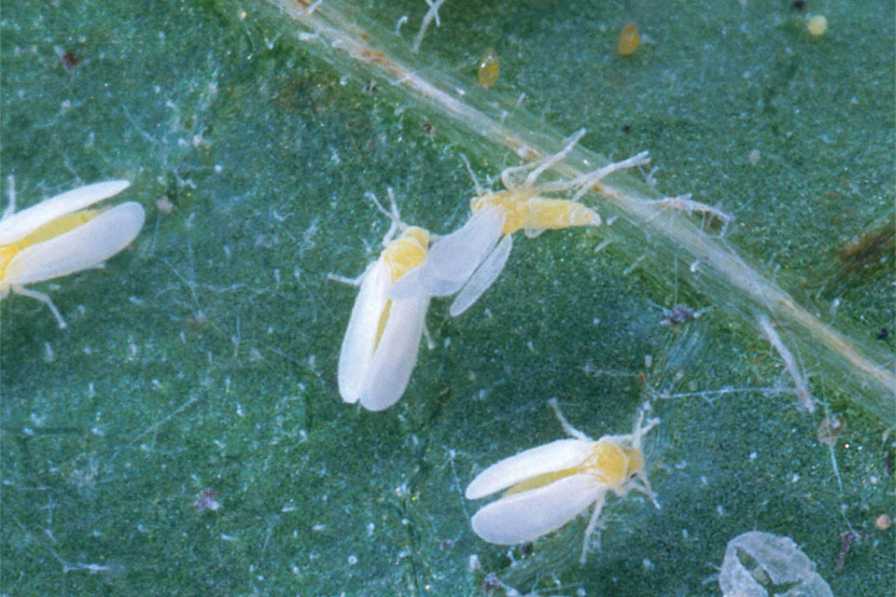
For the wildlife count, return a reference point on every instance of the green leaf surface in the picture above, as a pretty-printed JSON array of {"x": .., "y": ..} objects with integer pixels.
[{"x": 202, "y": 362}]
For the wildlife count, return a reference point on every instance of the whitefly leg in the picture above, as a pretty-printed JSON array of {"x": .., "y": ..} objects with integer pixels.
[
  {"x": 536, "y": 169},
  {"x": 430, "y": 343},
  {"x": 480, "y": 190},
  {"x": 642, "y": 485},
  {"x": 585, "y": 181},
  {"x": 567, "y": 427},
  {"x": 11, "y": 195},
  {"x": 589, "y": 179},
  {"x": 356, "y": 281},
  {"x": 394, "y": 214},
  {"x": 45, "y": 299},
  {"x": 592, "y": 525},
  {"x": 550, "y": 160}
]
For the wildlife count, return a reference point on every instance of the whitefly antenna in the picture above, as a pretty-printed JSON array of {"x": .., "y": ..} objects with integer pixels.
[
  {"x": 394, "y": 216},
  {"x": 567, "y": 427}
]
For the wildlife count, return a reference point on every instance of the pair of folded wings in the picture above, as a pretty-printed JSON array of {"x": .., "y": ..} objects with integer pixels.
[
  {"x": 466, "y": 262},
  {"x": 84, "y": 247}
]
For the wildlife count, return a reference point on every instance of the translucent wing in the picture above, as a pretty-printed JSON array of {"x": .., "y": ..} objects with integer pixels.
[
  {"x": 396, "y": 354},
  {"x": 357, "y": 344},
  {"x": 483, "y": 277},
  {"x": 453, "y": 258},
  {"x": 84, "y": 247},
  {"x": 523, "y": 517},
  {"x": 21, "y": 223},
  {"x": 410, "y": 285},
  {"x": 555, "y": 456}
]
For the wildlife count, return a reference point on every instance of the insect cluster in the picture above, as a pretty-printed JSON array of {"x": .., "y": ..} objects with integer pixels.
[{"x": 547, "y": 486}]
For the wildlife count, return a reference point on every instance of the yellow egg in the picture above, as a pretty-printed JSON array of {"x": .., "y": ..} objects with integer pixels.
[
  {"x": 489, "y": 69},
  {"x": 817, "y": 25},
  {"x": 629, "y": 40}
]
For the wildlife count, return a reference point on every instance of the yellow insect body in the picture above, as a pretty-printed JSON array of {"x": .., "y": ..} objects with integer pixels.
[
  {"x": 610, "y": 463},
  {"x": 400, "y": 256},
  {"x": 406, "y": 252},
  {"x": 525, "y": 210}
]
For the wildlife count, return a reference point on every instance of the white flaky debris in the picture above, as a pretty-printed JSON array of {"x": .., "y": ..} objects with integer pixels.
[{"x": 756, "y": 560}]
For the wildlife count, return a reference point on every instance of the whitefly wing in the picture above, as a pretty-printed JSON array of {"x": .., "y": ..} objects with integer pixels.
[
  {"x": 357, "y": 344},
  {"x": 525, "y": 516},
  {"x": 409, "y": 285},
  {"x": 395, "y": 356},
  {"x": 453, "y": 258},
  {"x": 483, "y": 277},
  {"x": 21, "y": 223},
  {"x": 84, "y": 247},
  {"x": 555, "y": 456}
]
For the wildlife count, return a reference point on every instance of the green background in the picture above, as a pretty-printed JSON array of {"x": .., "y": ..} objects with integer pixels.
[{"x": 204, "y": 357}]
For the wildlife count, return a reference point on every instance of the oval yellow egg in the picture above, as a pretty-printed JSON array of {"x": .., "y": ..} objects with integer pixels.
[
  {"x": 489, "y": 69},
  {"x": 817, "y": 25},
  {"x": 629, "y": 40}
]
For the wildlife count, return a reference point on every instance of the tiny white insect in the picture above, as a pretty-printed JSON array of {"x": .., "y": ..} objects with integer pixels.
[
  {"x": 548, "y": 486},
  {"x": 382, "y": 340},
  {"x": 60, "y": 236},
  {"x": 469, "y": 260}
]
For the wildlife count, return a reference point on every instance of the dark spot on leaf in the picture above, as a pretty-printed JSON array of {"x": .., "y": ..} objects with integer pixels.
[
  {"x": 868, "y": 249},
  {"x": 69, "y": 60}
]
